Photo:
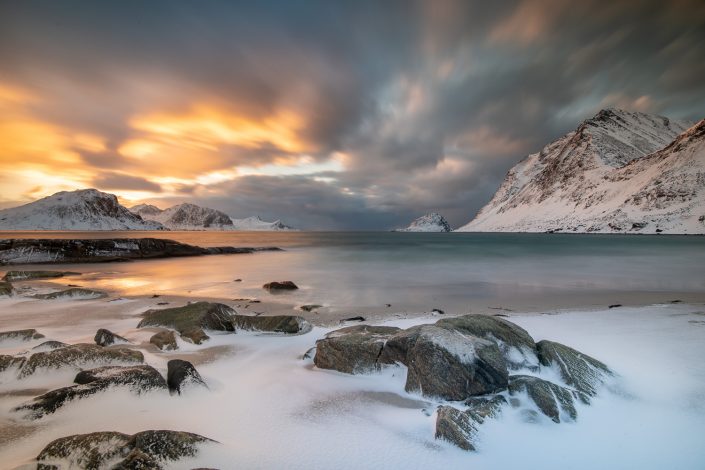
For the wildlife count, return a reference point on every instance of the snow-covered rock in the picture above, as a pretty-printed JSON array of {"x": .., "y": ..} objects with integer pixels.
[
  {"x": 618, "y": 172},
  {"x": 432, "y": 222},
  {"x": 85, "y": 209}
]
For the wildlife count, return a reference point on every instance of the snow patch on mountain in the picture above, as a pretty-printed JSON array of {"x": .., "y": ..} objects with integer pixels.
[
  {"x": 432, "y": 222},
  {"x": 256, "y": 224},
  {"x": 192, "y": 217},
  {"x": 85, "y": 209},
  {"x": 618, "y": 172}
]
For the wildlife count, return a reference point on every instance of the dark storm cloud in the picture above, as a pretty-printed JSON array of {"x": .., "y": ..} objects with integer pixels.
[
  {"x": 430, "y": 101},
  {"x": 116, "y": 181}
]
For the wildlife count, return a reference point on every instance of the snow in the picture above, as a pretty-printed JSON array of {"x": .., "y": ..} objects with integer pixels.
[
  {"x": 432, "y": 222},
  {"x": 270, "y": 409},
  {"x": 86, "y": 209},
  {"x": 619, "y": 172}
]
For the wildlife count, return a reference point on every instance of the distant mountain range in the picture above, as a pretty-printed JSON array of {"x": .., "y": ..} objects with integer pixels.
[
  {"x": 432, "y": 222},
  {"x": 90, "y": 209},
  {"x": 618, "y": 172}
]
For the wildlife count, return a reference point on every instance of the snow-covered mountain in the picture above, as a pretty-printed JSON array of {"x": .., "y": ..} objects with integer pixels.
[
  {"x": 185, "y": 217},
  {"x": 85, "y": 209},
  {"x": 192, "y": 217},
  {"x": 618, "y": 172},
  {"x": 432, "y": 222},
  {"x": 256, "y": 224}
]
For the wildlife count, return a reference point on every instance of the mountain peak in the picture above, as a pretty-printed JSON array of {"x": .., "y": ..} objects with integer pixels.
[{"x": 431, "y": 222}]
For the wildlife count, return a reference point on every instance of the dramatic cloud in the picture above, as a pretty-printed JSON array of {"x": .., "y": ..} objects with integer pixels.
[{"x": 328, "y": 115}]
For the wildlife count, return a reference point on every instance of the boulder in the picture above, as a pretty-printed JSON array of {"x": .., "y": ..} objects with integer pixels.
[
  {"x": 461, "y": 427},
  {"x": 80, "y": 356},
  {"x": 310, "y": 307},
  {"x": 516, "y": 344},
  {"x": 49, "y": 346},
  {"x": 354, "y": 349},
  {"x": 5, "y": 289},
  {"x": 164, "y": 340},
  {"x": 73, "y": 293},
  {"x": 105, "y": 337},
  {"x": 11, "y": 362},
  {"x": 447, "y": 364},
  {"x": 280, "y": 286},
  {"x": 578, "y": 370},
  {"x": 12, "y": 276},
  {"x": 138, "y": 379},
  {"x": 181, "y": 375},
  {"x": 147, "y": 450},
  {"x": 289, "y": 324},
  {"x": 20, "y": 335},
  {"x": 191, "y": 320},
  {"x": 552, "y": 400}
]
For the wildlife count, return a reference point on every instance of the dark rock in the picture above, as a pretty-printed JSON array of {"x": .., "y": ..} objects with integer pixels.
[
  {"x": 676, "y": 301},
  {"x": 353, "y": 350},
  {"x": 9, "y": 362},
  {"x": 553, "y": 400},
  {"x": 76, "y": 293},
  {"x": 156, "y": 296},
  {"x": 614, "y": 306},
  {"x": 447, "y": 364},
  {"x": 191, "y": 320},
  {"x": 11, "y": 276},
  {"x": 162, "y": 303},
  {"x": 182, "y": 374},
  {"x": 138, "y": 379},
  {"x": 279, "y": 286},
  {"x": 461, "y": 427},
  {"x": 5, "y": 288},
  {"x": 237, "y": 280},
  {"x": 516, "y": 344},
  {"x": 438, "y": 311},
  {"x": 164, "y": 340},
  {"x": 21, "y": 335},
  {"x": 105, "y": 337},
  {"x": 358, "y": 318},
  {"x": 49, "y": 345},
  {"x": 147, "y": 450},
  {"x": 578, "y": 370},
  {"x": 27, "y": 251},
  {"x": 310, "y": 307},
  {"x": 289, "y": 324},
  {"x": 80, "y": 356}
]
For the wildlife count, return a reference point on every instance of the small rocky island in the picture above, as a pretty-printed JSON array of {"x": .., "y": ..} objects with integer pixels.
[{"x": 48, "y": 251}]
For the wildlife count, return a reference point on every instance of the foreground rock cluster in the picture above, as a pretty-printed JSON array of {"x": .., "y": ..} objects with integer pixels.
[{"x": 481, "y": 363}]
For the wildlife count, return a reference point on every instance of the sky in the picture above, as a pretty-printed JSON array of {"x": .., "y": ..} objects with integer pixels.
[{"x": 334, "y": 115}]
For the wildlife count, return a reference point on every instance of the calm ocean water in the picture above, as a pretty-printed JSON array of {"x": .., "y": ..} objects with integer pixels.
[{"x": 375, "y": 268}]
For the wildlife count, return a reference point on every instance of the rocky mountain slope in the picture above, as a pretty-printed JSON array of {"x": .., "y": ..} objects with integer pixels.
[
  {"x": 256, "y": 224},
  {"x": 86, "y": 209},
  {"x": 617, "y": 172},
  {"x": 432, "y": 222}
]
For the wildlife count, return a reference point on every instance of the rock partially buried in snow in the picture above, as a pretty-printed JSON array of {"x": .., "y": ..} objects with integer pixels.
[
  {"x": 164, "y": 340},
  {"x": 6, "y": 289},
  {"x": 554, "y": 401},
  {"x": 105, "y": 337},
  {"x": 137, "y": 379},
  {"x": 20, "y": 335},
  {"x": 578, "y": 370},
  {"x": 446, "y": 364},
  {"x": 49, "y": 346},
  {"x": 461, "y": 427},
  {"x": 517, "y": 346},
  {"x": 11, "y": 276},
  {"x": 275, "y": 286},
  {"x": 181, "y": 375},
  {"x": 353, "y": 350},
  {"x": 80, "y": 356},
  {"x": 148, "y": 450},
  {"x": 74, "y": 293},
  {"x": 288, "y": 324},
  {"x": 191, "y": 320},
  {"x": 11, "y": 362}
]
